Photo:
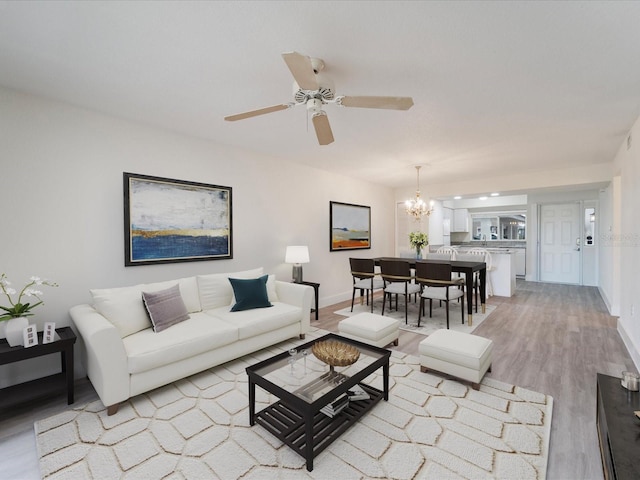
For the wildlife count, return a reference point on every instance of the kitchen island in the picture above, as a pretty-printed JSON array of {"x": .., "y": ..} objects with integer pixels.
[{"x": 501, "y": 277}]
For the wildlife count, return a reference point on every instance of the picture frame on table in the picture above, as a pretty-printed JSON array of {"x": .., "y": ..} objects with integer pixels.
[
  {"x": 49, "y": 332},
  {"x": 30, "y": 336},
  {"x": 350, "y": 226},
  {"x": 168, "y": 220}
]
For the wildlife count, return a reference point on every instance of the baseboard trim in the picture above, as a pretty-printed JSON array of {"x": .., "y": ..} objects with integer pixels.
[{"x": 631, "y": 348}]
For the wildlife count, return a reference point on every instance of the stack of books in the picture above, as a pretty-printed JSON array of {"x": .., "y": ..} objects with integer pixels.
[
  {"x": 335, "y": 407},
  {"x": 357, "y": 393}
]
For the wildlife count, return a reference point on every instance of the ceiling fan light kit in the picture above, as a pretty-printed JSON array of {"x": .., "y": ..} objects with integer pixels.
[{"x": 314, "y": 89}]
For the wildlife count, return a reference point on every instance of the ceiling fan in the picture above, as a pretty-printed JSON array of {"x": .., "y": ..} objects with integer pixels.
[{"x": 313, "y": 89}]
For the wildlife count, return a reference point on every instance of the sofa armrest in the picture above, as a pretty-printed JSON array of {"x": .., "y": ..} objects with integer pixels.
[
  {"x": 105, "y": 354},
  {"x": 298, "y": 295}
]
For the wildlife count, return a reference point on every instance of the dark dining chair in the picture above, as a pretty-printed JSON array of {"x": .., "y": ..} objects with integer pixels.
[
  {"x": 397, "y": 278},
  {"x": 364, "y": 278},
  {"x": 436, "y": 284}
]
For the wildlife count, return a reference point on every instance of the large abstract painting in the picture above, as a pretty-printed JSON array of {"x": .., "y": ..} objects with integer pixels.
[
  {"x": 175, "y": 221},
  {"x": 350, "y": 226}
]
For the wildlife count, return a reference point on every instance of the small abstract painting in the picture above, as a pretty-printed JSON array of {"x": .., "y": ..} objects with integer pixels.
[
  {"x": 170, "y": 220},
  {"x": 350, "y": 226}
]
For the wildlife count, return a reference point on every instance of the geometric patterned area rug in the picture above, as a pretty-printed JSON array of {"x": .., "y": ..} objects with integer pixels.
[
  {"x": 198, "y": 428},
  {"x": 427, "y": 325}
]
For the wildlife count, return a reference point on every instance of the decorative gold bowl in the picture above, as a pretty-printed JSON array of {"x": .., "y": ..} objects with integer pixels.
[{"x": 334, "y": 353}]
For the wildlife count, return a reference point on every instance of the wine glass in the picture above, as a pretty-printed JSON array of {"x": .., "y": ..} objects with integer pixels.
[
  {"x": 292, "y": 358},
  {"x": 305, "y": 352}
]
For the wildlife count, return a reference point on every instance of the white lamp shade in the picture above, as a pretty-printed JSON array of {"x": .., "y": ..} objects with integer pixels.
[{"x": 297, "y": 254}]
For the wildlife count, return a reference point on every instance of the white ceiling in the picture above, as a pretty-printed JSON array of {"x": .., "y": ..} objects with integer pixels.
[{"x": 497, "y": 86}]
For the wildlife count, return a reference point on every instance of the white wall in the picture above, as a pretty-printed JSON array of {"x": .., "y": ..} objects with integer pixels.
[
  {"x": 62, "y": 209},
  {"x": 625, "y": 239},
  {"x": 608, "y": 253},
  {"x": 515, "y": 181}
]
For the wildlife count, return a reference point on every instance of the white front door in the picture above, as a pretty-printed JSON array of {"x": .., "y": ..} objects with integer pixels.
[{"x": 560, "y": 238}]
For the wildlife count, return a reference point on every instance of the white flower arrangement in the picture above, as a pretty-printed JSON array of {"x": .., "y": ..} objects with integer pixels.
[
  {"x": 17, "y": 308},
  {"x": 418, "y": 240}
]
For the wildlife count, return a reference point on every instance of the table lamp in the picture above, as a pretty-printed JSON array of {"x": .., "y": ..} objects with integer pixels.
[{"x": 297, "y": 255}]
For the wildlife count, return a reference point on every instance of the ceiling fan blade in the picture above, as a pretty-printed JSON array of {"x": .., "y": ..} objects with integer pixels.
[
  {"x": 390, "y": 103},
  {"x": 302, "y": 70},
  {"x": 255, "y": 113},
  {"x": 323, "y": 129}
]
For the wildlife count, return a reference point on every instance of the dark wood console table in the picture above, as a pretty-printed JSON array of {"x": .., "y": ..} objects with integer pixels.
[
  {"x": 18, "y": 394},
  {"x": 316, "y": 288},
  {"x": 618, "y": 429}
]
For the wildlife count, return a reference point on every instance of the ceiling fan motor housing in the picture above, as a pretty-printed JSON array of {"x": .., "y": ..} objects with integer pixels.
[{"x": 325, "y": 91}]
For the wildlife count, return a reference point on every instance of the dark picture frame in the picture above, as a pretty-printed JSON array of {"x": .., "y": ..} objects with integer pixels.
[
  {"x": 169, "y": 221},
  {"x": 350, "y": 226}
]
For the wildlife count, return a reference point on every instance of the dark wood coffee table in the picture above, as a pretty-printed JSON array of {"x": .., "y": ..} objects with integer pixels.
[{"x": 296, "y": 418}]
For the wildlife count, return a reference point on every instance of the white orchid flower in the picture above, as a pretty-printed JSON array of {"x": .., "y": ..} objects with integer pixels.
[
  {"x": 16, "y": 308},
  {"x": 30, "y": 292}
]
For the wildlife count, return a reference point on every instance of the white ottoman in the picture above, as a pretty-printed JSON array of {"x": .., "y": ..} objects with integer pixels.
[
  {"x": 370, "y": 328},
  {"x": 458, "y": 354}
]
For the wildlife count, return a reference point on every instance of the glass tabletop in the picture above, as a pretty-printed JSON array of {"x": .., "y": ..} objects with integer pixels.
[{"x": 299, "y": 371}]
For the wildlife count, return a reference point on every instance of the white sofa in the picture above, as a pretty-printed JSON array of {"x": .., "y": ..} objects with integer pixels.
[{"x": 126, "y": 357}]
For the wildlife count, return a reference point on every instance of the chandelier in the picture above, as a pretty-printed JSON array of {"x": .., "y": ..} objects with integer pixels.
[{"x": 417, "y": 207}]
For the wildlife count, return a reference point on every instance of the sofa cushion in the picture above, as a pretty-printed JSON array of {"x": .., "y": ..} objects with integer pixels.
[
  {"x": 147, "y": 350},
  {"x": 215, "y": 290},
  {"x": 255, "y": 322},
  {"x": 123, "y": 307},
  {"x": 165, "y": 308},
  {"x": 250, "y": 293}
]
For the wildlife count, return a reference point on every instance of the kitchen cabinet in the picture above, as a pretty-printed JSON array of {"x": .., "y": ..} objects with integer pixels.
[
  {"x": 460, "y": 220},
  {"x": 521, "y": 261}
]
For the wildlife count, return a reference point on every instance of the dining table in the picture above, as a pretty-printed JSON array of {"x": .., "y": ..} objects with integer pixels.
[{"x": 468, "y": 268}]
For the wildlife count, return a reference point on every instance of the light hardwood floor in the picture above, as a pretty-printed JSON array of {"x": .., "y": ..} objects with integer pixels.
[{"x": 548, "y": 338}]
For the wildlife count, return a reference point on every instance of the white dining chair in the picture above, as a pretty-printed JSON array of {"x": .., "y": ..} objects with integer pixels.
[
  {"x": 487, "y": 259},
  {"x": 450, "y": 250}
]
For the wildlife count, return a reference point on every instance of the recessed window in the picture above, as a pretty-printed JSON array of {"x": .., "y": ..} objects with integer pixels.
[{"x": 499, "y": 226}]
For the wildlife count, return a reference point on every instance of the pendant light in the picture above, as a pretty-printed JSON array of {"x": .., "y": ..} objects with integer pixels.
[{"x": 416, "y": 207}]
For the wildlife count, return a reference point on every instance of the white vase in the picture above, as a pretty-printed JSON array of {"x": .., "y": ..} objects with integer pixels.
[{"x": 13, "y": 329}]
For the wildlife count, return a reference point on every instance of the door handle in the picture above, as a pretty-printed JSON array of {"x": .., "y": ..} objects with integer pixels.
[{"x": 577, "y": 249}]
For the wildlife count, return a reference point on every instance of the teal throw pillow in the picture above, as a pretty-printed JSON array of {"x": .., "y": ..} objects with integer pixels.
[{"x": 250, "y": 293}]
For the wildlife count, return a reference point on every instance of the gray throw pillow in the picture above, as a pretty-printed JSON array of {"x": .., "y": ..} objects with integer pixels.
[{"x": 165, "y": 308}]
